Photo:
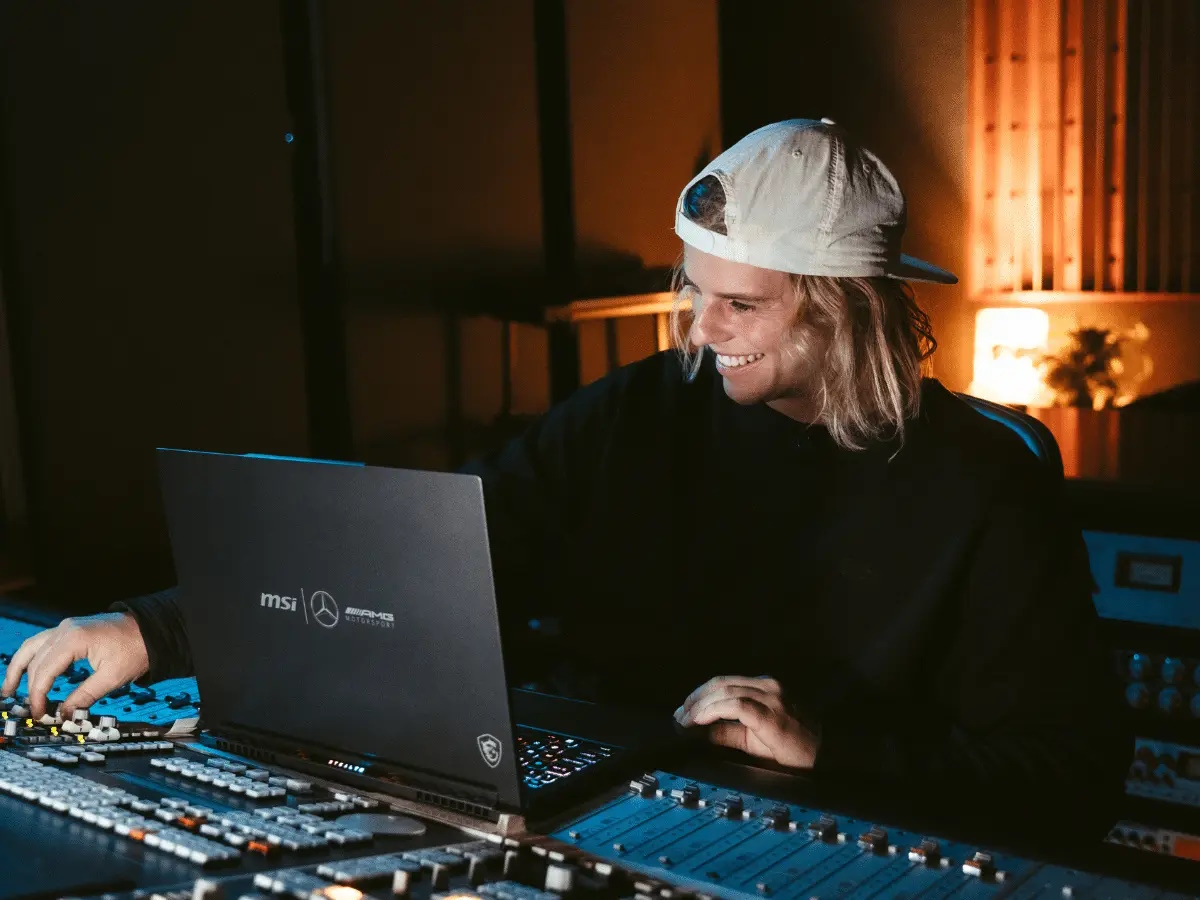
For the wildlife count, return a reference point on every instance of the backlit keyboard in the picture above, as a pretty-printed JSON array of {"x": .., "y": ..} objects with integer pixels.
[{"x": 547, "y": 757}]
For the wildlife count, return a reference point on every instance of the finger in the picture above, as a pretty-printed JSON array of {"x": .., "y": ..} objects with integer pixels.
[
  {"x": 714, "y": 688},
  {"x": 20, "y": 661},
  {"x": 730, "y": 734},
  {"x": 751, "y": 712},
  {"x": 766, "y": 733},
  {"x": 772, "y": 702},
  {"x": 769, "y": 684},
  {"x": 90, "y": 691},
  {"x": 53, "y": 659},
  {"x": 714, "y": 684}
]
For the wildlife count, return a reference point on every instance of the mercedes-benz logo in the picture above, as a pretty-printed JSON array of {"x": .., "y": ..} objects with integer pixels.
[{"x": 324, "y": 608}]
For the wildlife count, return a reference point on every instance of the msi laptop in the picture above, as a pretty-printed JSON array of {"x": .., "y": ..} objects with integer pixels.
[{"x": 344, "y": 618}]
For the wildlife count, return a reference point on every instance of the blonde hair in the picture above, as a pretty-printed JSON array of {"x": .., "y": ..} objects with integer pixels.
[{"x": 874, "y": 343}]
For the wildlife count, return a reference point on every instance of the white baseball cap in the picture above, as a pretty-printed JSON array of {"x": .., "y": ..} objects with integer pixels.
[{"x": 802, "y": 196}]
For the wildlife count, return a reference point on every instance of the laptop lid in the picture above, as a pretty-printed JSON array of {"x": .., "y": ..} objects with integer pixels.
[{"x": 344, "y": 606}]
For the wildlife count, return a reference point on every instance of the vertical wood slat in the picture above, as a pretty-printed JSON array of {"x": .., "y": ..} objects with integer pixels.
[
  {"x": 1098, "y": 59},
  {"x": 1143, "y": 184},
  {"x": 1070, "y": 261},
  {"x": 1064, "y": 207},
  {"x": 508, "y": 337},
  {"x": 612, "y": 354},
  {"x": 991, "y": 174},
  {"x": 1115, "y": 55},
  {"x": 662, "y": 331},
  {"x": 979, "y": 112},
  {"x": 456, "y": 421},
  {"x": 1192, "y": 37},
  {"x": 1033, "y": 153},
  {"x": 1003, "y": 188},
  {"x": 1165, "y": 192},
  {"x": 1019, "y": 108},
  {"x": 1053, "y": 154}
]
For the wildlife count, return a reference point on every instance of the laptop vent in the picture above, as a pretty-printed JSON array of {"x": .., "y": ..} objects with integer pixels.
[
  {"x": 439, "y": 800},
  {"x": 471, "y": 809}
]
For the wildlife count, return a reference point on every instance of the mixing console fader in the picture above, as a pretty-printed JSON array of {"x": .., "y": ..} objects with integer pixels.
[
  {"x": 710, "y": 841},
  {"x": 159, "y": 705}
]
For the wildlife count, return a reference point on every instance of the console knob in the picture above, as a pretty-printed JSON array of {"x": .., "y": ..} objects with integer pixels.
[
  {"x": 560, "y": 879},
  {"x": 1137, "y": 695},
  {"x": 204, "y": 889},
  {"x": 1163, "y": 775},
  {"x": 1170, "y": 700},
  {"x": 1172, "y": 670},
  {"x": 400, "y": 883},
  {"x": 1138, "y": 666},
  {"x": 439, "y": 877}
]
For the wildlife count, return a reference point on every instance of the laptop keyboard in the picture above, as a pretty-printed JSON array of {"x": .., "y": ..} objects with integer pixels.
[{"x": 547, "y": 757}]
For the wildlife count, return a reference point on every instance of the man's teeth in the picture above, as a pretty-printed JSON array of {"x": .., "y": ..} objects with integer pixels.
[{"x": 732, "y": 362}]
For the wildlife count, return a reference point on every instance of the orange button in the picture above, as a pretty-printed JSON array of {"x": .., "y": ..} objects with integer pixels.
[{"x": 1187, "y": 847}]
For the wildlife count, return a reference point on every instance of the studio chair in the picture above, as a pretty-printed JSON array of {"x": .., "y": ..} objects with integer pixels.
[{"x": 1037, "y": 437}]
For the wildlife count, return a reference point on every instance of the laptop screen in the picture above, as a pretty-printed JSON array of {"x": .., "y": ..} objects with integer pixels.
[{"x": 345, "y": 606}]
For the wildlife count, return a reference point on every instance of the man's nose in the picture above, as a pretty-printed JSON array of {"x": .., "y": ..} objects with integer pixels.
[{"x": 709, "y": 326}]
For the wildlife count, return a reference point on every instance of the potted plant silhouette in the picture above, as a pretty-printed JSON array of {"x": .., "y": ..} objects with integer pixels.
[{"x": 1088, "y": 379}]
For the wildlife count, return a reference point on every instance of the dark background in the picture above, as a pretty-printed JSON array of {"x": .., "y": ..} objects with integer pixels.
[{"x": 150, "y": 218}]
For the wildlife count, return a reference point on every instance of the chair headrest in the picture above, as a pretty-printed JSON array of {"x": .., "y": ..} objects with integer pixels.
[{"x": 1037, "y": 437}]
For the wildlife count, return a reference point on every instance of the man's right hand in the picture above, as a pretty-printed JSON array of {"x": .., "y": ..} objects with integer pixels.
[{"x": 111, "y": 642}]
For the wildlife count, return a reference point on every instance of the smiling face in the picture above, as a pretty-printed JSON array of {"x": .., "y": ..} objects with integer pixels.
[{"x": 746, "y": 317}]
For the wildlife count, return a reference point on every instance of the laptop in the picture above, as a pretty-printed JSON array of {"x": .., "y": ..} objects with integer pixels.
[{"x": 342, "y": 620}]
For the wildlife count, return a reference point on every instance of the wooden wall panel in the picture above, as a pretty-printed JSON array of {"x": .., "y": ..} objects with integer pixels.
[{"x": 1082, "y": 148}]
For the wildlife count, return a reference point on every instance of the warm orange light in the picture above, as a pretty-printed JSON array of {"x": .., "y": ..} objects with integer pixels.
[
  {"x": 1008, "y": 342},
  {"x": 340, "y": 892}
]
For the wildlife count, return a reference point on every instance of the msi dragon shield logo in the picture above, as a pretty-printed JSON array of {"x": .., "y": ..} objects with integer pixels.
[{"x": 490, "y": 749}]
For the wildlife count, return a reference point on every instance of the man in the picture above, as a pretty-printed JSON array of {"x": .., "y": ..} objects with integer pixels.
[{"x": 784, "y": 533}]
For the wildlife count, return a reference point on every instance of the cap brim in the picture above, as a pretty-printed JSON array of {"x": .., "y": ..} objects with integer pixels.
[{"x": 912, "y": 269}]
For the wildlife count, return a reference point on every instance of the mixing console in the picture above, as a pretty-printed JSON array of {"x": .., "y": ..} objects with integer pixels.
[
  {"x": 158, "y": 705},
  {"x": 103, "y": 806},
  {"x": 665, "y": 838},
  {"x": 713, "y": 842}
]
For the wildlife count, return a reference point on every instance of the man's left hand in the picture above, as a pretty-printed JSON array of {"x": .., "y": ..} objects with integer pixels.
[{"x": 749, "y": 714}]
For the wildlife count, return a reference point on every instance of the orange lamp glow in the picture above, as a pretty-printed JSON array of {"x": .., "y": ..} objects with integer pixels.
[{"x": 1008, "y": 342}]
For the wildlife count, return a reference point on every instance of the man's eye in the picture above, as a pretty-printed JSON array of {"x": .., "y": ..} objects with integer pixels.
[{"x": 739, "y": 306}]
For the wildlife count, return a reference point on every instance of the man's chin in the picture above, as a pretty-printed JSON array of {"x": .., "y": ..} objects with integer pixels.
[{"x": 741, "y": 395}]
